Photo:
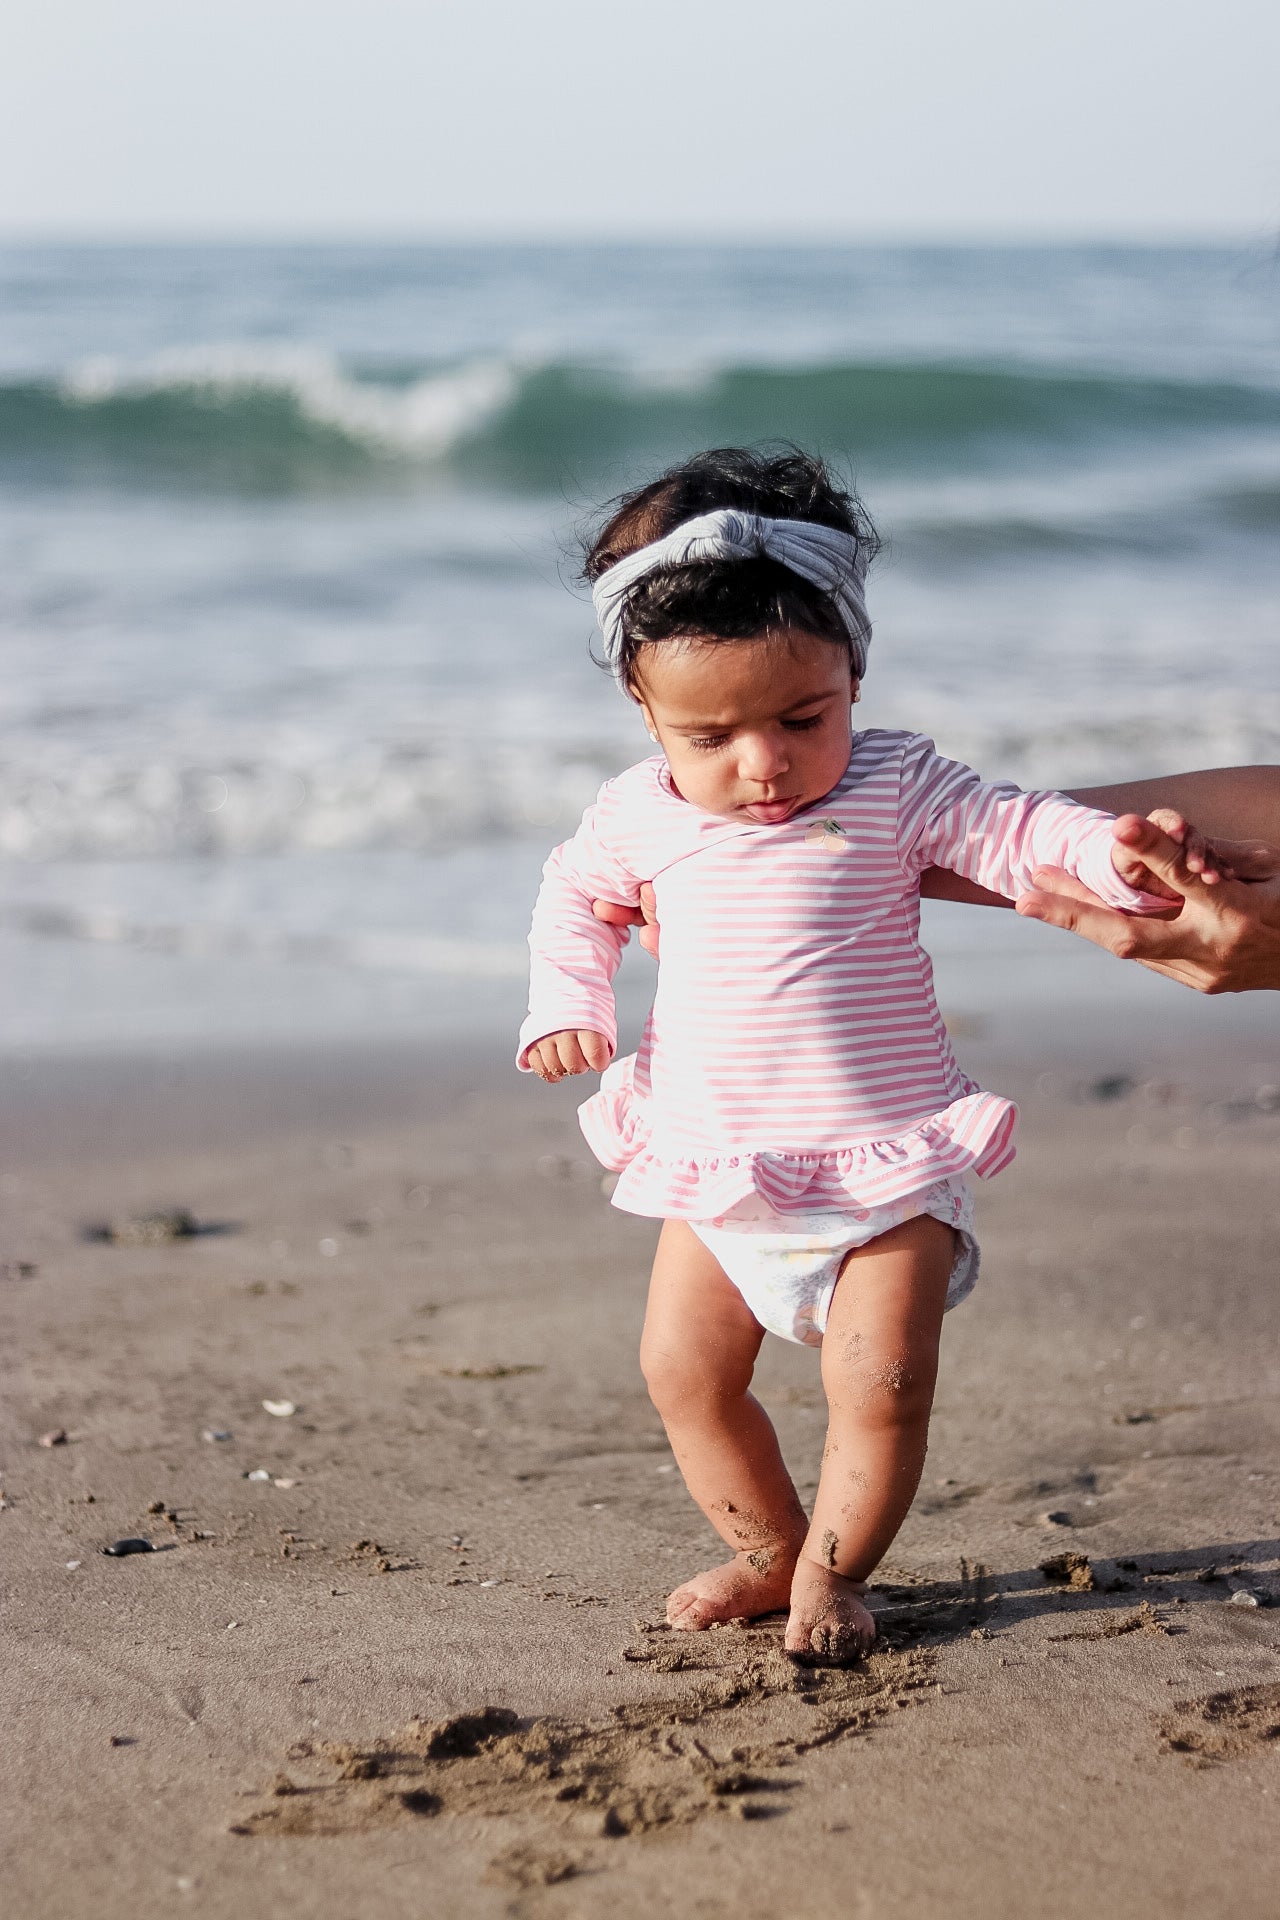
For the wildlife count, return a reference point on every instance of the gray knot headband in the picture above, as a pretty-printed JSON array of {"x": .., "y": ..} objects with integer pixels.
[{"x": 826, "y": 557}]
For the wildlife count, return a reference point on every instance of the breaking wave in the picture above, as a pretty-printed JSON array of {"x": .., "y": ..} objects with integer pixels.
[
  {"x": 293, "y": 418},
  {"x": 105, "y": 805}
]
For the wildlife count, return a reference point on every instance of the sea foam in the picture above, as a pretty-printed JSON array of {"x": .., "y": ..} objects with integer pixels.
[{"x": 424, "y": 417}]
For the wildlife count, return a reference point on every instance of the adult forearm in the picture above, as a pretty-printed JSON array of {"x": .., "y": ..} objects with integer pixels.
[{"x": 1235, "y": 803}]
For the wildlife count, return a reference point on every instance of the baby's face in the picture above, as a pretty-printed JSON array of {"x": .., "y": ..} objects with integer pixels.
[{"x": 752, "y": 729}]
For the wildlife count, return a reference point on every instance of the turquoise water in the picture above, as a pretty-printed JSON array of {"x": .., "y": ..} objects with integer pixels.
[{"x": 294, "y": 672}]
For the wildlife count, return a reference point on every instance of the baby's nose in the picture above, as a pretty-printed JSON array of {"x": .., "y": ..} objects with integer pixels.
[{"x": 761, "y": 757}]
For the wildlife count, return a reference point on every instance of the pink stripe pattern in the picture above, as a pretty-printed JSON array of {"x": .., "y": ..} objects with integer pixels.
[{"x": 794, "y": 1048}]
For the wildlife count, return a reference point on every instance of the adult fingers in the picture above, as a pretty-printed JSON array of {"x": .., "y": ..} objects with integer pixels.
[
  {"x": 1132, "y": 868},
  {"x": 649, "y": 931},
  {"x": 1208, "y": 947},
  {"x": 1062, "y": 902},
  {"x": 1054, "y": 880},
  {"x": 616, "y": 915},
  {"x": 1162, "y": 854},
  {"x": 1250, "y": 860},
  {"x": 644, "y": 916}
]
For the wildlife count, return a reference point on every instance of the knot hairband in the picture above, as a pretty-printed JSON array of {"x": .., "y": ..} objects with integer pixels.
[{"x": 827, "y": 557}]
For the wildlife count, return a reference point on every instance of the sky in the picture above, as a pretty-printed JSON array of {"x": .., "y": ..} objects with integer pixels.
[{"x": 530, "y": 119}]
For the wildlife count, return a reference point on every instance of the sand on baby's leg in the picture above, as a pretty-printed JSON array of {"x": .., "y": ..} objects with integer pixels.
[
  {"x": 879, "y": 1368},
  {"x": 698, "y": 1353}
]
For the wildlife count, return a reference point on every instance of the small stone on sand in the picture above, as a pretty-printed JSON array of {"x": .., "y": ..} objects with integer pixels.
[{"x": 151, "y": 1229}]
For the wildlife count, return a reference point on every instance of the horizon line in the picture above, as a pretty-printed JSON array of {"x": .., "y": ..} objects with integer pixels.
[{"x": 974, "y": 239}]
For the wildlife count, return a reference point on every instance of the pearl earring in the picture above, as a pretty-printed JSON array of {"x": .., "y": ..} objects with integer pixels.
[{"x": 652, "y": 734}]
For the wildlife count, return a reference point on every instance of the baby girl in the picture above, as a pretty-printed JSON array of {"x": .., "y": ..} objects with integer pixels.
[{"x": 794, "y": 1114}]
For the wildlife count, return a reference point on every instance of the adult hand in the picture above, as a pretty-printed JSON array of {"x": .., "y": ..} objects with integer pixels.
[
  {"x": 1225, "y": 938},
  {"x": 645, "y": 916}
]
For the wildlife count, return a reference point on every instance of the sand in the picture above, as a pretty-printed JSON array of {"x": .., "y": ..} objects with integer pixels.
[{"x": 420, "y": 1667}]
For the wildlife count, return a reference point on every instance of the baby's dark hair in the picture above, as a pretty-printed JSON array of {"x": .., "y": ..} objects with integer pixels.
[{"x": 727, "y": 599}]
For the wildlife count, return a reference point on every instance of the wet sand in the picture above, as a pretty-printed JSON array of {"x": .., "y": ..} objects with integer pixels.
[{"x": 473, "y": 1512}]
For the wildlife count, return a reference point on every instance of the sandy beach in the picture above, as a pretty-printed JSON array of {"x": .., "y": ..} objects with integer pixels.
[{"x": 419, "y": 1666}]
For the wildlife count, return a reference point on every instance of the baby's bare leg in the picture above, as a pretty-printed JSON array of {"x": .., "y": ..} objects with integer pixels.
[
  {"x": 879, "y": 1365},
  {"x": 698, "y": 1352}
]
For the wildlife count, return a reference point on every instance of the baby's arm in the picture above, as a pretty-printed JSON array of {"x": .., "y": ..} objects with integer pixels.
[
  {"x": 571, "y": 1025},
  {"x": 997, "y": 835}
]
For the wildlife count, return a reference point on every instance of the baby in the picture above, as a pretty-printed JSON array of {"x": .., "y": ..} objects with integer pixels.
[{"x": 794, "y": 1114}]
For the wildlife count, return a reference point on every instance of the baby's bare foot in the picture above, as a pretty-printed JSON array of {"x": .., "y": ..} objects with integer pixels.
[
  {"x": 746, "y": 1586},
  {"x": 829, "y": 1625}
]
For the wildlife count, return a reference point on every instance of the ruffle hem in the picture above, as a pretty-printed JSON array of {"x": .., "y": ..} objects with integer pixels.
[{"x": 973, "y": 1135}]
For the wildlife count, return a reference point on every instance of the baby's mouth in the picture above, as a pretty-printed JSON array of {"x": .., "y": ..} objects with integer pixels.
[{"x": 768, "y": 813}]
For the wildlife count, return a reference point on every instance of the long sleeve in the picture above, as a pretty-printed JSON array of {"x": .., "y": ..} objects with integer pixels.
[
  {"x": 574, "y": 956},
  {"x": 998, "y": 835}
]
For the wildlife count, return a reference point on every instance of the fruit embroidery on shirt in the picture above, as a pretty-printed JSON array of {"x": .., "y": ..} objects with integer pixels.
[{"x": 829, "y": 835}]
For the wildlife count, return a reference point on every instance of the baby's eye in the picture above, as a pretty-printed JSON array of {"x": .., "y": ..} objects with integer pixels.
[
  {"x": 710, "y": 742},
  {"x": 803, "y": 726}
]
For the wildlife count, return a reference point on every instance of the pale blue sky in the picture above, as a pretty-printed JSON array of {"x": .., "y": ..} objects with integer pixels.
[{"x": 526, "y": 118}]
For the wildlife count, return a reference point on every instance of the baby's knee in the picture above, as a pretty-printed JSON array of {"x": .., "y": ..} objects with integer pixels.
[
  {"x": 678, "y": 1384},
  {"x": 669, "y": 1378},
  {"x": 889, "y": 1389}
]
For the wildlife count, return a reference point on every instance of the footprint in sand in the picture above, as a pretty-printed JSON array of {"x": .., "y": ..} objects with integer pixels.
[
  {"x": 648, "y": 1764},
  {"x": 1224, "y": 1726}
]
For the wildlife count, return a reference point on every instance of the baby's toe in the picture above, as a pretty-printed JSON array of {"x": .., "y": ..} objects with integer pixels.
[
  {"x": 799, "y": 1637},
  {"x": 832, "y": 1630},
  {"x": 679, "y": 1603},
  {"x": 690, "y": 1611},
  {"x": 841, "y": 1642},
  {"x": 833, "y": 1644}
]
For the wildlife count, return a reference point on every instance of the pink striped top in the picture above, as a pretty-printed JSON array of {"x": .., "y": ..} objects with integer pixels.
[{"x": 794, "y": 1048}]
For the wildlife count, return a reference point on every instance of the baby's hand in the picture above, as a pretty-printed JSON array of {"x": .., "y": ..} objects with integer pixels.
[
  {"x": 1202, "y": 857},
  {"x": 559, "y": 1053}
]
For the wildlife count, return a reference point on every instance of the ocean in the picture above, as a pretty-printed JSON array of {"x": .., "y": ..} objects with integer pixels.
[{"x": 297, "y": 686}]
